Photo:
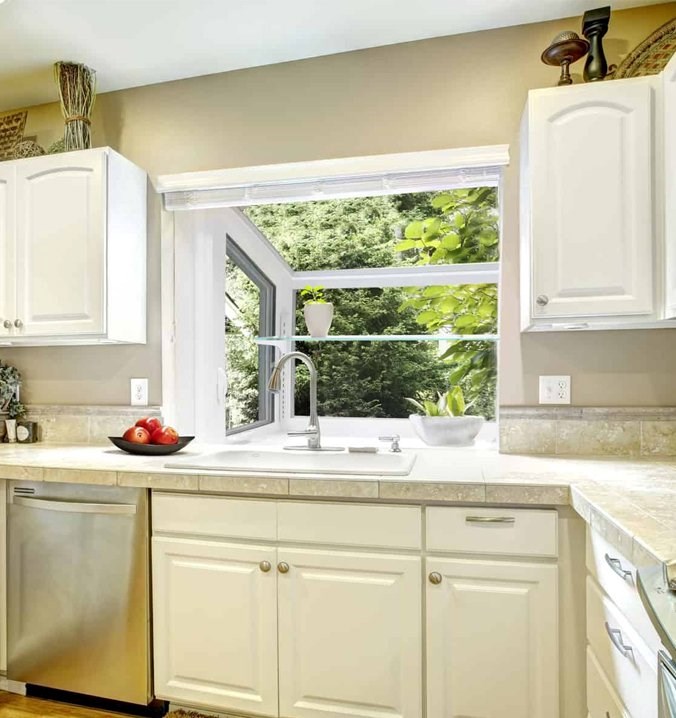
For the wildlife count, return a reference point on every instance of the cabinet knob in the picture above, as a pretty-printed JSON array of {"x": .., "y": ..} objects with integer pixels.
[
  {"x": 7, "y": 324},
  {"x": 283, "y": 567},
  {"x": 18, "y": 323},
  {"x": 435, "y": 578},
  {"x": 265, "y": 566},
  {"x": 542, "y": 300}
]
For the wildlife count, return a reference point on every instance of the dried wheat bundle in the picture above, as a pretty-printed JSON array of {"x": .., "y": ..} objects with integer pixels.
[{"x": 77, "y": 89}]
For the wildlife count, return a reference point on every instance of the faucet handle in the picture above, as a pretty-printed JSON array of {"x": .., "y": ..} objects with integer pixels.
[
  {"x": 303, "y": 432},
  {"x": 394, "y": 438}
]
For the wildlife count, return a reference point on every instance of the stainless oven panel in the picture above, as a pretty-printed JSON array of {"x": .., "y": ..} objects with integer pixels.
[{"x": 667, "y": 686}]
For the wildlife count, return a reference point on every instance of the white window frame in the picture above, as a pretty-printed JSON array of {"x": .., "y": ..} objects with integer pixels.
[{"x": 199, "y": 212}]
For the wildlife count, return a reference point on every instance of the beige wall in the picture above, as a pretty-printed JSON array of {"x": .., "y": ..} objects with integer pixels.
[{"x": 457, "y": 91}]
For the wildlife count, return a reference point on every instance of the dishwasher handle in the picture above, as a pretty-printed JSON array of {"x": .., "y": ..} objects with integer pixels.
[{"x": 75, "y": 507}]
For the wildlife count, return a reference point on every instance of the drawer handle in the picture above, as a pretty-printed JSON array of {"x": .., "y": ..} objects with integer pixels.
[
  {"x": 490, "y": 519},
  {"x": 616, "y": 565},
  {"x": 616, "y": 639}
]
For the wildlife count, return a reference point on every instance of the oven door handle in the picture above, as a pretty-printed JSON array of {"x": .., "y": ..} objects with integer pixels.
[{"x": 75, "y": 507}]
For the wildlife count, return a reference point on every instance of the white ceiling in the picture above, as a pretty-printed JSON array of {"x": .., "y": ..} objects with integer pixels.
[{"x": 140, "y": 42}]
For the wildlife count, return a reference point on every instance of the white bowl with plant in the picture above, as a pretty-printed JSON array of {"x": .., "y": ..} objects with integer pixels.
[
  {"x": 443, "y": 422},
  {"x": 317, "y": 311}
]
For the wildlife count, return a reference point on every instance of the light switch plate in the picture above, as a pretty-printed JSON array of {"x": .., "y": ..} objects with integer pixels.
[
  {"x": 554, "y": 390},
  {"x": 139, "y": 392}
]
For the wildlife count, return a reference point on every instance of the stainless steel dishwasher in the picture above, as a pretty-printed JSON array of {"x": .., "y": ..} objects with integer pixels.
[{"x": 78, "y": 603}]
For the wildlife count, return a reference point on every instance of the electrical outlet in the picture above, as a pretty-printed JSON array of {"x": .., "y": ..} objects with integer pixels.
[
  {"x": 139, "y": 392},
  {"x": 554, "y": 390}
]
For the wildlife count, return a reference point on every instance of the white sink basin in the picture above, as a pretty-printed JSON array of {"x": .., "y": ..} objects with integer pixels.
[{"x": 300, "y": 462}]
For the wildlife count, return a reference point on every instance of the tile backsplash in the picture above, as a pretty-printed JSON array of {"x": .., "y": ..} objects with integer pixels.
[
  {"x": 84, "y": 424},
  {"x": 598, "y": 431}
]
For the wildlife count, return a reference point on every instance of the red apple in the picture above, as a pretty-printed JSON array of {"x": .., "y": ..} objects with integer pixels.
[
  {"x": 137, "y": 435},
  {"x": 149, "y": 423},
  {"x": 165, "y": 435}
]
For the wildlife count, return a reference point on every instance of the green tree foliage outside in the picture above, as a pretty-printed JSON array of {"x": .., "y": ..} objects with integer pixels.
[
  {"x": 373, "y": 378},
  {"x": 461, "y": 228},
  {"x": 242, "y": 354}
]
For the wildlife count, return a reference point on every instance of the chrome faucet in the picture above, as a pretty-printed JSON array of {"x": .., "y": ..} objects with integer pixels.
[{"x": 314, "y": 442}]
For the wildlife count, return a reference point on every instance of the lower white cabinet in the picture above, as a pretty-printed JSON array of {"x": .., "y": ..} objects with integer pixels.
[
  {"x": 350, "y": 635},
  {"x": 602, "y": 700},
  {"x": 317, "y": 610},
  {"x": 215, "y": 616},
  {"x": 492, "y": 647}
]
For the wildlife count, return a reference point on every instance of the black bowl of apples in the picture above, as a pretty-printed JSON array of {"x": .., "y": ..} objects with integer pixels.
[{"x": 148, "y": 437}]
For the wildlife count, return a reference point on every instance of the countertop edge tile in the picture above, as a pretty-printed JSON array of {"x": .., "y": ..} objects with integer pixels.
[
  {"x": 335, "y": 488},
  {"x": 432, "y": 491},
  {"x": 149, "y": 480},
  {"x": 541, "y": 495},
  {"x": 238, "y": 485},
  {"x": 65, "y": 475}
]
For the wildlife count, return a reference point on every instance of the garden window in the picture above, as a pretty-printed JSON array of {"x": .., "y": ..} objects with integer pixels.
[{"x": 405, "y": 246}]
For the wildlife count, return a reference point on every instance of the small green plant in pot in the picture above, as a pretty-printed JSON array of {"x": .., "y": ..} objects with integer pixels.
[
  {"x": 317, "y": 311},
  {"x": 10, "y": 406},
  {"x": 443, "y": 422},
  {"x": 10, "y": 382}
]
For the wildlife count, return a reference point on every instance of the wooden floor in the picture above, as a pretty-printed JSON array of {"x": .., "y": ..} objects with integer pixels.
[{"x": 13, "y": 706}]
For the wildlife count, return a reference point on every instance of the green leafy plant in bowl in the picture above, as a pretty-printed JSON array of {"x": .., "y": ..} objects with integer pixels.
[{"x": 443, "y": 422}]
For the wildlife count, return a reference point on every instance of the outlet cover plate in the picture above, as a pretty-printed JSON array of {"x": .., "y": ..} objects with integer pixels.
[
  {"x": 139, "y": 392},
  {"x": 554, "y": 390}
]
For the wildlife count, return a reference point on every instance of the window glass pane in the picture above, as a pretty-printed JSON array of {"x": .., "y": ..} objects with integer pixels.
[
  {"x": 242, "y": 355},
  {"x": 376, "y": 378},
  {"x": 443, "y": 227}
]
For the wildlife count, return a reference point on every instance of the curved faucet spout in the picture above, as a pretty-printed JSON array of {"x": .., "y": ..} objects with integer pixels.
[{"x": 275, "y": 384}]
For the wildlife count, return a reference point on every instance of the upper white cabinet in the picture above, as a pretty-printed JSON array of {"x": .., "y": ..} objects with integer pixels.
[
  {"x": 591, "y": 222},
  {"x": 7, "y": 277},
  {"x": 669, "y": 94},
  {"x": 73, "y": 243}
]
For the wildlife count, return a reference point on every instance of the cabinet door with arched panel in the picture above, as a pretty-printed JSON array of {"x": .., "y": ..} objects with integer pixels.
[{"x": 588, "y": 202}]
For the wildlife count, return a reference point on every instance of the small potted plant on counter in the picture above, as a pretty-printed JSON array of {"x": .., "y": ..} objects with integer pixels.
[
  {"x": 10, "y": 406},
  {"x": 317, "y": 311},
  {"x": 443, "y": 422}
]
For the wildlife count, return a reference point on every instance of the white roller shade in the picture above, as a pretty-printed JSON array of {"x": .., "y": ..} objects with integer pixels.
[{"x": 329, "y": 179}]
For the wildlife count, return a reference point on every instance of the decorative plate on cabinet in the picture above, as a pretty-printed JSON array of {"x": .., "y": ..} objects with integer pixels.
[{"x": 652, "y": 55}]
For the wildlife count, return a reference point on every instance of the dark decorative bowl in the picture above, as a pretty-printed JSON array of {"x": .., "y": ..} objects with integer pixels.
[{"x": 151, "y": 449}]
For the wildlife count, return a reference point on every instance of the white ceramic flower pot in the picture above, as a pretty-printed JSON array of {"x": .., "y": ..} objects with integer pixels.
[
  {"x": 447, "y": 430},
  {"x": 318, "y": 318}
]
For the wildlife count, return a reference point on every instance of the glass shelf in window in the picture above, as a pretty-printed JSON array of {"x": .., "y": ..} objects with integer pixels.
[{"x": 382, "y": 338}]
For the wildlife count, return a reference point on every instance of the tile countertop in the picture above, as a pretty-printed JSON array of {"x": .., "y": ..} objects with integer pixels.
[{"x": 631, "y": 502}]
